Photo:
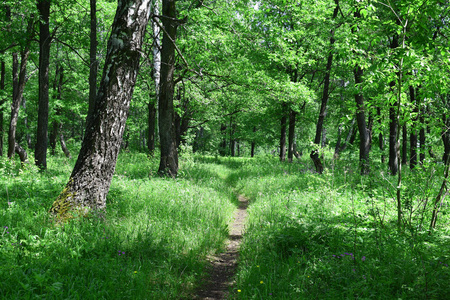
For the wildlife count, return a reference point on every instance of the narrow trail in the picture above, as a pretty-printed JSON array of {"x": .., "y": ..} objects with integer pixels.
[{"x": 223, "y": 266}]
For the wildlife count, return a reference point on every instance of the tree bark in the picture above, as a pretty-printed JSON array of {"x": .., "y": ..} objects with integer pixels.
[
  {"x": 56, "y": 124},
  {"x": 413, "y": 133},
  {"x": 292, "y": 115},
  {"x": 253, "y": 146},
  {"x": 93, "y": 62},
  {"x": 151, "y": 106},
  {"x": 393, "y": 125},
  {"x": 91, "y": 177},
  {"x": 364, "y": 133},
  {"x": 19, "y": 81},
  {"x": 168, "y": 165},
  {"x": 232, "y": 139},
  {"x": 63, "y": 143},
  {"x": 2, "y": 101},
  {"x": 422, "y": 137},
  {"x": 325, "y": 94},
  {"x": 223, "y": 144},
  {"x": 40, "y": 153},
  {"x": 156, "y": 78},
  {"x": 283, "y": 124},
  {"x": 404, "y": 145}
]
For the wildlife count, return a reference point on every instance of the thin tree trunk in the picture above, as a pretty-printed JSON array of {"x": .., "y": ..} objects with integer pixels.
[
  {"x": 40, "y": 153},
  {"x": 422, "y": 134},
  {"x": 404, "y": 145},
  {"x": 393, "y": 125},
  {"x": 252, "y": 152},
  {"x": 364, "y": 133},
  {"x": 223, "y": 144},
  {"x": 413, "y": 133},
  {"x": 232, "y": 139},
  {"x": 168, "y": 165},
  {"x": 151, "y": 126},
  {"x": 19, "y": 81},
  {"x": 91, "y": 177},
  {"x": 2, "y": 100},
  {"x": 56, "y": 124},
  {"x": 283, "y": 124},
  {"x": 292, "y": 115},
  {"x": 440, "y": 196},
  {"x": 63, "y": 143},
  {"x": 156, "y": 78},
  {"x": 93, "y": 62},
  {"x": 323, "y": 107}
]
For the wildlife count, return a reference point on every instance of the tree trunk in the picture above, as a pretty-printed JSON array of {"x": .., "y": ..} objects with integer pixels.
[
  {"x": 292, "y": 115},
  {"x": 151, "y": 126},
  {"x": 232, "y": 139},
  {"x": 63, "y": 143},
  {"x": 168, "y": 165},
  {"x": 40, "y": 153},
  {"x": 445, "y": 135},
  {"x": 404, "y": 145},
  {"x": 413, "y": 133},
  {"x": 364, "y": 133},
  {"x": 323, "y": 107},
  {"x": 393, "y": 125},
  {"x": 223, "y": 144},
  {"x": 19, "y": 81},
  {"x": 380, "y": 136},
  {"x": 91, "y": 177},
  {"x": 93, "y": 62},
  {"x": 2, "y": 100},
  {"x": 422, "y": 134},
  {"x": 253, "y": 146},
  {"x": 156, "y": 78},
  {"x": 56, "y": 124},
  {"x": 283, "y": 124}
]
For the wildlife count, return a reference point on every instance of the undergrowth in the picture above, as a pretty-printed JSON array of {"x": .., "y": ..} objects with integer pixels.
[
  {"x": 150, "y": 244},
  {"x": 334, "y": 236},
  {"x": 308, "y": 236}
]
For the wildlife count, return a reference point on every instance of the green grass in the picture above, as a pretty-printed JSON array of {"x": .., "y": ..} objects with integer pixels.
[
  {"x": 335, "y": 237},
  {"x": 308, "y": 236},
  {"x": 151, "y": 245}
]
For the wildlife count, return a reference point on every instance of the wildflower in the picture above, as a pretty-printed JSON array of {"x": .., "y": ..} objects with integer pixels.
[
  {"x": 135, "y": 272},
  {"x": 363, "y": 258},
  {"x": 257, "y": 266},
  {"x": 239, "y": 291},
  {"x": 261, "y": 282}
]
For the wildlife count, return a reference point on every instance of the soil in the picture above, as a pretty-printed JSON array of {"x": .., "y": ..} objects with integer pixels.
[{"x": 223, "y": 266}]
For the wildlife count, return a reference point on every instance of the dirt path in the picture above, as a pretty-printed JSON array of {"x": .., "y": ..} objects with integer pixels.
[{"x": 223, "y": 266}]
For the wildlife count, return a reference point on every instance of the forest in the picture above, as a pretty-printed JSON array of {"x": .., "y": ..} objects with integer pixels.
[{"x": 219, "y": 149}]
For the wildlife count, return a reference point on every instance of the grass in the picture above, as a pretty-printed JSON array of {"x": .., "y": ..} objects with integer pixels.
[
  {"x": 334, "y": 236},
  {"x": 151, "y": 245},
  {"x": 308, "y": 236}
]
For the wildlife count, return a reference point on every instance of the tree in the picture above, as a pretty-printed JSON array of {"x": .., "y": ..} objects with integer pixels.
[
  {"x": 156, "y": 70},
  {"x": 2, "y": 100},
  {"x": 40, "y": 153},
  {"x": 91, "y": 177},
  {"x": 364, "y": 132},
  {"x": 93, "y": 62},
  {"x": 169, "y": 154}
]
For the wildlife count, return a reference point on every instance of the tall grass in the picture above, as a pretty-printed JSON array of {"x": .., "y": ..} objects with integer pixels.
[
  {"x": 334, "y": 236},
  {"x": 308, "y": 236},
  {"x": 151, "y": 244}
]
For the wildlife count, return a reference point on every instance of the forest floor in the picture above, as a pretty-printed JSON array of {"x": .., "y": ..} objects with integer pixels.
[{"x": 223, "y": 266}]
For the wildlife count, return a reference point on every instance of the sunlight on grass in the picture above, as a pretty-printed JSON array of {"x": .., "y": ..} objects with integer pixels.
[{"x": 308, "y": 236}]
